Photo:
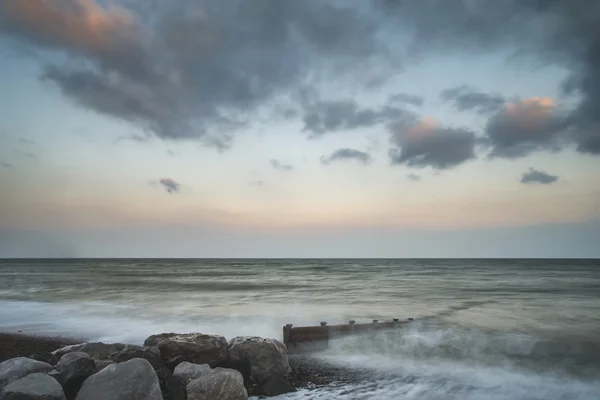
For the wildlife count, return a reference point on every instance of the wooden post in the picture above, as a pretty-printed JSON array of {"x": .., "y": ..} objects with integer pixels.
[{"x": 287, "y": 335}]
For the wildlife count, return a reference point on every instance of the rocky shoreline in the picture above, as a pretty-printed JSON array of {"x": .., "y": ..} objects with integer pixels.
[{"x": 168, "y": 366}]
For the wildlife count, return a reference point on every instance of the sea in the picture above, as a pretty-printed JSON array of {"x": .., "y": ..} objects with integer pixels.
[{"x": 483, "y": 329}]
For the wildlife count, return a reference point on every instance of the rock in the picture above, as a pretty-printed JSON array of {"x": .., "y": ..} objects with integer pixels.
[
  {"x": 43, "y": 357},
  {"x": 131, "y": 380},
  {"x": 182, "y": 375},
  {"x": 189, "y": 371},
  {"x": 149, "y": 353},
  {"x": 156, "y": 339},
  {"x": 71, "y": 370},
  {"x": 35, "y": 386},
  {"x": 267, "y": 357},
  {"x": 219, "y": 384},
  {"x": 275, "y": 386},
  {"x": 96, "y": 350},
  {"x": 195, "y": 348},
  {"x": 101, "y": 364},
  {"x": 17, "y": 368}
]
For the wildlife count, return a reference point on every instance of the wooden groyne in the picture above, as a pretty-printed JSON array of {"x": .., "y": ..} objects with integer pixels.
[{"x": 316, "y": 338}]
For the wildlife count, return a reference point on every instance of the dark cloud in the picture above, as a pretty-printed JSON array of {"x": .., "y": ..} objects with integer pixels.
[
  {"x": 413, "y": 177},
  {"x": 466, "y": 98},
  {"x": 170, "y": 185},
  {"x": 564, "y": 33},
  {"x": 281, "y": 166},
  {"x": 188, "y": 69},
  {"x": 534, "y": 176},
  {"x": 407, "y": 99},
  {"x": 5, "y": 164},
  {"x": 524, "y": 127},
  {"x": 427, "y": 144},
  {"x": 347, "y": 154},
  {"x": 321, "y": 117}
]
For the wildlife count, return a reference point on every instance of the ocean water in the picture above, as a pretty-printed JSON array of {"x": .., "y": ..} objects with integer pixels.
[{"x": 484, "y": 329}]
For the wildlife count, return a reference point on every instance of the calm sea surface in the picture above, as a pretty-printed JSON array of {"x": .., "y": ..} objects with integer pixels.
[{"x": 485, "y": 329}]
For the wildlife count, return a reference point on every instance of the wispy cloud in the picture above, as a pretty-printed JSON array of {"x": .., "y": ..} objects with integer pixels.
[
  {"x": 6, "y": 164},
  {"x": 534, "y": 176},
  {"x": 26, "y": 141},
  {"x": 281, "y": 166},
  {"x": 347, "y": 154},
  {"x": 170, "y": 185}
]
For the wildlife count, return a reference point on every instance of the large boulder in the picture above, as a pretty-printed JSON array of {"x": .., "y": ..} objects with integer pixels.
[
  {"x": 36, "y": 386},
  {"x": 266, "y": 357},
  {"x": 71, "y": 370},
  {"x": 149, "y": 353},
  {"x": 195, "y": 348},
  {"x": 156, "y": 339},
  {"x": 101, "y": 364},
  {"x": 16, "y": 368},
  {"x": 219, "y": 384},
  {"x": 182, "y": 375},
  {"x": 96, "y": 350},
  {"x": 131, "y": 380}
]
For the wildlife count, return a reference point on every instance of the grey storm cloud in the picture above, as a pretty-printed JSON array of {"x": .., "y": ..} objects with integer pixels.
[
  {"x": 466, "y": 98},
  {"x": 185, "y": 69},
  {"x": 426, "y": 144},
  {"x": 565, "y": 33},
  {"x": 321, "y": 117},
  {"x": 347, "y": 154},
  {"x": 280, "y": 166},
  {"x": 170, "y": 185},
  {"x": 190, "y": 69},
  {"x": 534, "y": 176},
  {"x": 527, "y": 126}
]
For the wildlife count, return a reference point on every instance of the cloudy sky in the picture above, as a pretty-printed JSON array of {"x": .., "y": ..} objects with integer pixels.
[{"x": 315, "y": 128}]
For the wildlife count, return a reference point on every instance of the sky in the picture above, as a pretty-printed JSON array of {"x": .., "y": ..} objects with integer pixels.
[{"x": 283, "y": 128}]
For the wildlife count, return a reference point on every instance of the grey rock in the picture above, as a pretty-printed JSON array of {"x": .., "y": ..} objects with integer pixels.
[
  {"x": 182, "y": 375},
  {"x": 71, "y": 370},
  {"x": 149, "y": 353},
  {"x": 195, "y": 348},
  {"x": 43, "y": 357},
  {"x": 101, "y": 364},
  {"x": 16, "y": 368},
  {"x": 36, "y": 386},
  {"x": 275, "y": 386},
  {"x": 189, "y": 371},
  {"x": 219, "y": 384},
  {"x": 156, "y": 339},
  {"x": 96, "y": 350},
  {"x": 267, "y": 357},
  {"x": 131, "y": 380}
]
